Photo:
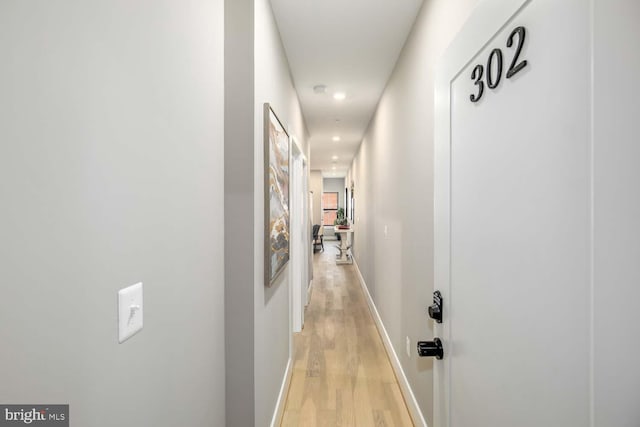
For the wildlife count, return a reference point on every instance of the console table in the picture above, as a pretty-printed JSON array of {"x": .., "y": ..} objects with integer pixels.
[{"x": 345, "y": 237}]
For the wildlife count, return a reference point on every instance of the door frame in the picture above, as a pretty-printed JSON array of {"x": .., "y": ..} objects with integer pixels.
[
  {"x": 486, "y": 20},
  {"x": 299, "y": 217}
]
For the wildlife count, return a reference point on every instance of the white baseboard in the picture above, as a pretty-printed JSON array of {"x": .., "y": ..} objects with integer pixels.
[
  {"x": 282, "y": 396},
  {"x": 409, "y": 397}
]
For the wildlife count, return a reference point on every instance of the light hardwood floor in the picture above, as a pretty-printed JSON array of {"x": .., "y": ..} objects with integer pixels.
[{"x": 341, "y": 373}]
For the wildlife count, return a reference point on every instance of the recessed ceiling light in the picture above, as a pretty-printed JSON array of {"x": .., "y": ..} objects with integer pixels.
[
  {"x": 336, "y": 138},
  {"x": 334, "y": 168},
  {"x": 320, "y": 89},
  {"x": 334, "y": 158},
  {"x": 339, "y": 96}
]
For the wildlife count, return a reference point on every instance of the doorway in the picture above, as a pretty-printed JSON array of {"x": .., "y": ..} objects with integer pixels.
[{"x": 300, "y": 236}]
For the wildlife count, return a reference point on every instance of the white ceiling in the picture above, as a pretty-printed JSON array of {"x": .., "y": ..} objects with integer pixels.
[{"x": 350, "y": 46}]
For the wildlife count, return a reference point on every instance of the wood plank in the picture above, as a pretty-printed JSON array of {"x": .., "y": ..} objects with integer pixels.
[{"x": 341, "y": 374}]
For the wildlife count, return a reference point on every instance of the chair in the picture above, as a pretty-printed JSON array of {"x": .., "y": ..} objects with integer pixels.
[{"x": 317, "y": 238}]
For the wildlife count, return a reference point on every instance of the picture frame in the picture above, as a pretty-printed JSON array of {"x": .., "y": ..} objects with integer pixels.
[
  {"x": 353, "y": 203},
  {"x": 277, "y": 149},
  {"x": 347, "y": 203}
]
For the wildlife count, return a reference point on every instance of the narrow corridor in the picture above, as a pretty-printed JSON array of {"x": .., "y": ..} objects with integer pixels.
[{"x": 342, "y": 375}]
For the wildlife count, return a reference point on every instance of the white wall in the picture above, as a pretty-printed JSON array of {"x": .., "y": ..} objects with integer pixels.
[
  {"x": 335, "y": 185},
  {"x": 258, "y": 334},
  {"x": 111, "y": 160},
  {"x": 239, "y": 212},
  {"x": 273, "y": 84},
  {"x": 393, "y": 183}
]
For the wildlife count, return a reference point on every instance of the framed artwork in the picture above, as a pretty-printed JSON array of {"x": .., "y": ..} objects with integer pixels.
[
  {"x": 346, "y": 203},
  {"x": 276, "y": 196},
  {"x": 353, "y": 203}
]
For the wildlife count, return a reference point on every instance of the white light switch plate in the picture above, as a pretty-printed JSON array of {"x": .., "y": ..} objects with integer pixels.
[{"x": 130, "y": 311}]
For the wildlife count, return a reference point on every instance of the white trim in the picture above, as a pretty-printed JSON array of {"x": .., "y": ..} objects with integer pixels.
[
  {"x": 407, "y": 392},
  {"x": 309, "y": 289},
  {"x": 300, "y": 250},
  {"x": 592, "y": 215},
  {"x": 296, "y": 236},
  {"x": 278, "y": 413}
]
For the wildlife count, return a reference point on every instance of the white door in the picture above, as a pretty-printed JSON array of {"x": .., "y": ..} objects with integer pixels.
[{"x": 513, "y": 219}]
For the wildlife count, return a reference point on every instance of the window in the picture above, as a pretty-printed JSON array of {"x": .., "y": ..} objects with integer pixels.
[{"x": 329, "y": 208}]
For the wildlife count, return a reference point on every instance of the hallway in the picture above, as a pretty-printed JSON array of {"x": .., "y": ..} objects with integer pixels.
[
  {"x": 341, "y": 374},
  {"x": 163, "y": 166}
]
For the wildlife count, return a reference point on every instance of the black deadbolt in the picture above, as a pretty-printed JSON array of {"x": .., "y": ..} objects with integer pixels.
[
  {"x": 431, "y": 348},
  {"x": 435, "y": 310}
]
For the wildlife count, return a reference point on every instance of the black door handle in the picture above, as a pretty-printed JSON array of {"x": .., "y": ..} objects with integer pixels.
[
  {"x": 431, "y": 348},
  {"x": 435, "y": 310}
]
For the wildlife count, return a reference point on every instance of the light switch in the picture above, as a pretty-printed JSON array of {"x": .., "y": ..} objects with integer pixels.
[{"x": 129, "y": 312}]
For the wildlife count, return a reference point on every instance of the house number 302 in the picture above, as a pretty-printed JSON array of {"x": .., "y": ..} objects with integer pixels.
[{"x": 493, "y": 80}]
